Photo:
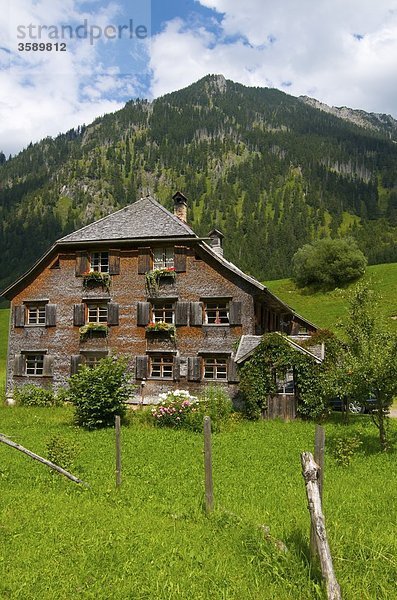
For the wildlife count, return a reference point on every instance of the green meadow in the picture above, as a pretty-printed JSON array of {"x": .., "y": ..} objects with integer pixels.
[
  {"x": 325, "y": 309},
  {"x": 151, "y": 538}
]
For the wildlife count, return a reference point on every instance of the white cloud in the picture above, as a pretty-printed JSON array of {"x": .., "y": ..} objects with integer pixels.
[
  {"x": 310, "y": 44},
  {"x": 44, "y": 93}
]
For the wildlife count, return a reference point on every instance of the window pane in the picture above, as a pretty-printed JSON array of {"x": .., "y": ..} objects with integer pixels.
[
  {"x": 100, "y": 262},
  {"x": 161, "y": 366},
  {"x": 163, "y": 257},
  {"x": 163, "y": 312},
  {"x": 215, "y": 368},
  {"x": 217, "y": 313},
  {"x": 36, "y": 314},
  {"x": 34, "y": 364},
  {"x": 97, "y": 313}
]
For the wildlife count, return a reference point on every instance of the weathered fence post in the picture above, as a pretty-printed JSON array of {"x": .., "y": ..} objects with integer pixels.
[
  {"x": 319, "y": 450},
  {"x": 310, "y": 472},
  {"x": 209, "y": 490},
  {"x": 118, "y": 451}
]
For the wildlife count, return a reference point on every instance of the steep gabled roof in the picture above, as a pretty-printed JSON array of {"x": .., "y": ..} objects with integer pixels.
[{"x": 145, "y": 218}]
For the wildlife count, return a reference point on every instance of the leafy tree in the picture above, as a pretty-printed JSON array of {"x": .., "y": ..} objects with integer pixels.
[
  {"x": 366, "y": 365},
  {"x": 100, "y": 393},
  {"x": 328, "y": 262}
]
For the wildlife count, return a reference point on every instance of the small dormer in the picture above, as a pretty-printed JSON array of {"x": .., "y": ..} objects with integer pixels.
[
  {"x": 180, "y": 206},
  {"x": 216, "y": 241}
]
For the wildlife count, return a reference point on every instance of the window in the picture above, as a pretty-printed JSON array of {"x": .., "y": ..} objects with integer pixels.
[
  {"x": 97, "y": 313},
  {"x": 36, "y": 314},
  {"x": 161, "y": 366},
  {"x": 92, "y": 360},
  {"x": 215, "y": 368},
  {"x": 163, "y": 258},
  {"x": 163, "y": 312},
  {"x": 216, "y": 313},
  {"x": 34, "y": 364},
  {"x": 100, "y": 262}
]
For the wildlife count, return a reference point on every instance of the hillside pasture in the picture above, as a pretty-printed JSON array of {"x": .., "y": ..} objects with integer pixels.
[{"x": 151, "y": 539}]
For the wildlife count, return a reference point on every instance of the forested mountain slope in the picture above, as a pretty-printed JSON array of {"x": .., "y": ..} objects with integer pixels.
[{"x": 271, "y": 171}]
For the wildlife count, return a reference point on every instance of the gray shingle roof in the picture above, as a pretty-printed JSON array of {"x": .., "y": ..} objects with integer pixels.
[
  {"x": 145, "y": 218},
  {"x": 248, "y": 343}
]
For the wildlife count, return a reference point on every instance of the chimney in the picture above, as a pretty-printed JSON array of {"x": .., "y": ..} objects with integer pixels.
[
  {"x": 216, "y": 241},
  {"x": 180, "y": 206}
]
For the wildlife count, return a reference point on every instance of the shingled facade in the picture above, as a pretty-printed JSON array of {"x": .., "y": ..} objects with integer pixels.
[{"x": 140, "y": 283}]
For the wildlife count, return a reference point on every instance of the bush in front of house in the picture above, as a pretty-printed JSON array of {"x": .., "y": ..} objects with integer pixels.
[
  {"x": 328, "y": 263},
  {"x": 32, "y": 395},
  {"x": 179, "y": 409},
  {"x": 100, "y": 393},
  {"x": 174, "y": 408}
]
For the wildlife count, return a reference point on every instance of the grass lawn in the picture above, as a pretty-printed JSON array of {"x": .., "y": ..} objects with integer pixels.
[
  {"x": 151, "y": 540},
  {"x": 326, "y": 308}
]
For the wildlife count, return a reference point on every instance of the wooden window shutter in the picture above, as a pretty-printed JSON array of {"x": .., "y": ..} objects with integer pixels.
[
  {"x": 50, "y": 315},
  {"x": 48, "y": 365},
  {"x": 113, "y": 313},
  {"x": 114, "y": 262},
  {"x": 78, "y": 315},
  {"x": 142, "y": 365},
  {"x": 142, "y": 313},
  {"x": 82, "y": 263},
  {"x": 75, "y": 362},
  {"x": 180, "y": 259},
  {"x": 19, "y": 365},
  {"x": 145, "y": 260},
  {"x": 19, "y": 315},
  {"x": 194, "y": 368},
  {"x": 182, "y": 313},
  {"x": 235, "y": 313},
  {"x": 196, "y": 313},
  {"x": 232, "y": 372},
  {"x": 176, "y": 368}
]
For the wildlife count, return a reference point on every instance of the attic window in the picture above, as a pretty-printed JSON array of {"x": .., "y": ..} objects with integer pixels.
[
  {"x": 36, "y": 314},
  {"x": 99, "y": 261},
  {"x": 163, "y": 258}
]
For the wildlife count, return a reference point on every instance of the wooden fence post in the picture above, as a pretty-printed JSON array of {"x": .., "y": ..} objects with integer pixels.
[
  {"x": 209, "y": 490},
  {"x": 311, "y": 475},
  {"x": 118, "y": 451},
  {"x": 319, "y": 450}
]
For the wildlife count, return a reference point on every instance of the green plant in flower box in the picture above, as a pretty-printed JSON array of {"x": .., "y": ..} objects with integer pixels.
[
  {"x": 153, "y": 278},
  {"x": 86, "y": 330},
  {"x": 162, "y": 327},
  {"x": 96, "y": 278}
]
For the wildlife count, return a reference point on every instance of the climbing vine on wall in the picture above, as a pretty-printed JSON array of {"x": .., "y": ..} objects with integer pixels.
[{"x": 271, "y": 361}]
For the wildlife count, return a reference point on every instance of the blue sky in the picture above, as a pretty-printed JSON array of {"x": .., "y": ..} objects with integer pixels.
[{"x": 343, "y": 53}]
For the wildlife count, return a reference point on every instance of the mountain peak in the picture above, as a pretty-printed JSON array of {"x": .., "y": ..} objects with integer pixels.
[{"x": 216, "y": 83}]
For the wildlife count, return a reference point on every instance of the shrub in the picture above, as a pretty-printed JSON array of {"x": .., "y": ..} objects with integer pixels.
[
  {"x": 100, "y": 393},
  {"x": 32, "y": 395},
  {"x": 174, "y": 408},
  {"x": 179, "y": 409},
  {"x": 328, "y": 263},
  {"x": 214, "y": 402}
]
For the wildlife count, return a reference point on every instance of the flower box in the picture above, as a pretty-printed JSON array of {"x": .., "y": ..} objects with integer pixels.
[
  {"x": 96, "y": 279},
  {"x": 93, "y": 330}
]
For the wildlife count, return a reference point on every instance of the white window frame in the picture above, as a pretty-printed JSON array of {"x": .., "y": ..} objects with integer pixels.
[
  {"x": 164, "y": 366},
  {"x": 163, "y": 258},
  {"x": 34, "y": 364},
  {"x": 99, "y": 261},
  {"x": 35, "y": 314},
  {"x": 215, "y": 368},
  {"x": 91, "y": 359},
  {"x": 97, "y": 312},
  {"x": 163, "y": 312},
  {"x": 216, "y": 312}
]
